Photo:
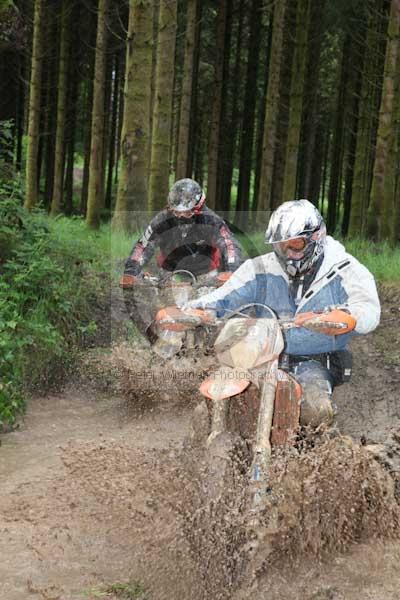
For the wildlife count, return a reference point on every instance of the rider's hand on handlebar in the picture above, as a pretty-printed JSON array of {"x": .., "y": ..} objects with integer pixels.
[
  {"x": 334, "y": 322},
  {"x": 223, "y": 277},
  {"x": 127, "y": 281},
  {"x": 172, "y": 318}
]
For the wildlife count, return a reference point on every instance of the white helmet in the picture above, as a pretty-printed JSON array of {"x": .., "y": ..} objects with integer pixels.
[{"x": 297, "y": 233}]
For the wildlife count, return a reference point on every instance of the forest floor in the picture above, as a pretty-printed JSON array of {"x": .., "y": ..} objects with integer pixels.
[{"x": 93, "y": 492}]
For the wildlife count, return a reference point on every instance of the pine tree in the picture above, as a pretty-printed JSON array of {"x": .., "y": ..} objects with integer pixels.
[
  {"x": 366, "y": 127},
  {"x": 381, "y": 211},
  {"x": 296, "y": 99},
  {"x": 113, "y": 130},
  {"x": 215, "y": 125},
  {"x": 31, "y": 194},
  {"x": 161, "y": 136},
  {"x": 232, "y": 119},
  {"x": 58, "y": 186},
  {"x": 249, "y": 114},
  {"x": 132, "y": 185},
  {"x": 186, "y": 115},
  {"x": 96, "y": 172},
  {"x": 272, "y": 107},
  {"x": 336, "y": 159}
]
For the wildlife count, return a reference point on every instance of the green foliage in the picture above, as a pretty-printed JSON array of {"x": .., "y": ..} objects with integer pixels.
[
  {"x": 125, "y": 591},
  {"x": 49, "y": 284},
  {"x": 6, "y": 151},
  {"x": 381, "y": 259}
]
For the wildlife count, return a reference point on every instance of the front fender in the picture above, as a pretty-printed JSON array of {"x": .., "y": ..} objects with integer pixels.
[{"x": 225, "y": 383}]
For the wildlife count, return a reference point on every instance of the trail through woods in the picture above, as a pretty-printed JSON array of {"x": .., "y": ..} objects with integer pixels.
[{"x": 93, "y": 492}]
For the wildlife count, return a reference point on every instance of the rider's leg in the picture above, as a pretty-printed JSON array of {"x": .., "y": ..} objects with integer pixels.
[{"x": 317, "y": 386}]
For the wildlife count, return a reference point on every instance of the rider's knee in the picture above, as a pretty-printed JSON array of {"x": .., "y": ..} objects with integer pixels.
[
  {"x": 316, "y": 382},
  {"x": 316, "y": 406}
]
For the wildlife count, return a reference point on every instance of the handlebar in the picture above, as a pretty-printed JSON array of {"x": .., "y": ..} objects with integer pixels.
[{"x": 192, "y": 318}]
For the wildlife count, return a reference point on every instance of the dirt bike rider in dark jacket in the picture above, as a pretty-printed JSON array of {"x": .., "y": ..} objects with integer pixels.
[{"x": 189, "y": 236}]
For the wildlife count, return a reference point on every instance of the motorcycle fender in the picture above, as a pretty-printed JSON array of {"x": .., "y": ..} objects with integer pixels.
[{"x": 225, "y": 383}]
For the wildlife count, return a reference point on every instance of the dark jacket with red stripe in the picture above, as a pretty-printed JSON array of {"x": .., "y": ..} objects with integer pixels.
[{"x": 199, "y": 244}]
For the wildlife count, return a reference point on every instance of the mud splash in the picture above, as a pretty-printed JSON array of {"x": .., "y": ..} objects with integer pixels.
[
  {"x": 322, "y": 500},
  {"x": 143, "y": 375},
  {"x": 324, "y": 497}
]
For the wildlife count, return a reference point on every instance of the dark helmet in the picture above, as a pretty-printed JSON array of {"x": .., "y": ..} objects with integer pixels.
[
  {"x": 297, "y": 233},
  {"x": 186, "y": 196}
]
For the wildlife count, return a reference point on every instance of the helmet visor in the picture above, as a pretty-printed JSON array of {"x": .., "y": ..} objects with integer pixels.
[
  {"x": 291, "y": 249},
  {"x": 182, "y": 214}
]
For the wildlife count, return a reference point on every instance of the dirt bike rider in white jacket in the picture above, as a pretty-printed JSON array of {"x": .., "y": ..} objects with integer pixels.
[{"x": 309, "y": 275}]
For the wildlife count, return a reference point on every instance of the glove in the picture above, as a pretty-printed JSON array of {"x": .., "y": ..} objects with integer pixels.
[
  {"x": 127, "y": 281},
  {"x": 223, "y": 277},
  {"x": 173, "y": 318},
  {"x": 334, "y": 322}
]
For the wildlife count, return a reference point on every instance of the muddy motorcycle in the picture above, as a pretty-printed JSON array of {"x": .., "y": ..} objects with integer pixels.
[
  {"x": 253, "y": 376},
  {"x": 152, "y": 292}
]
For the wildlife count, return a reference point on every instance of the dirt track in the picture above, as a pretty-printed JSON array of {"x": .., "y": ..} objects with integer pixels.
[{"x": 90, "y": 488}]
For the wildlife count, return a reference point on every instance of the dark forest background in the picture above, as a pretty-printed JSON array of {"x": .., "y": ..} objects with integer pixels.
[{"x": 103, "y": 103}]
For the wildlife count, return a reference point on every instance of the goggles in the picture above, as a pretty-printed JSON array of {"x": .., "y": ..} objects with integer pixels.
[
  {"x": 182, "y": 214},
  {"x": 295, "y": 245}
]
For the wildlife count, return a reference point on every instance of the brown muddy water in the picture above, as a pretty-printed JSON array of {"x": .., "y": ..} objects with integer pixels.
[{"x": 100, "y": 488}]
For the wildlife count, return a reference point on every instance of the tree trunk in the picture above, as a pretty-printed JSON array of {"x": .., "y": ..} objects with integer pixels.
[
  {"x": 312, "y": 100},
  {"x": 381, "y": 211},
  {"x": 278, "y": 177},
  {"x": 272, "y": 107},
  {"x": 317, "y": 165},
  {"x": 397, "y": 162},
  {"x": 194, "y": 99},
  {"x": 351, "y": 154},
  {"x": 120, "y": 117},
  {"x": 51, "y": 111},
  {"x": 249, "y": 113},
  {"x": 161, "y": 137},
  {"x": 325, "y": 169},
  {"x": 215, "y": 125},
  {"x": 354, "y": 94},
  {"x": 31, "y": 194},
  {"x": 296, "y": 99},
  {"x": 113, "y": 131},
  {"x": 58, "y": 186},
  {"x": 108, "y": 85},
  {"x": 225, "y": 132},
  {"x": 45, "y": 86},
  {"x": 182, "y": 167},
  {"x": 86, "y": 146},
  {"x": 132, "y": 187},
  {"x": 88, "y": 105},
  {"x": 200, "y": 137},
  {"x": 232, "y": 141},
  {"x": 338, "y": 136},
  {"x": 96, "y": 173},
  {"x": 156, "y": 16},
  {"x": 70, "y": 147},
  {"x": 261, "y": 115},
  {"x": 72, "y": 106},
  {"x": 360, "y": 175},
  {"x": 20, "y": 124}
]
